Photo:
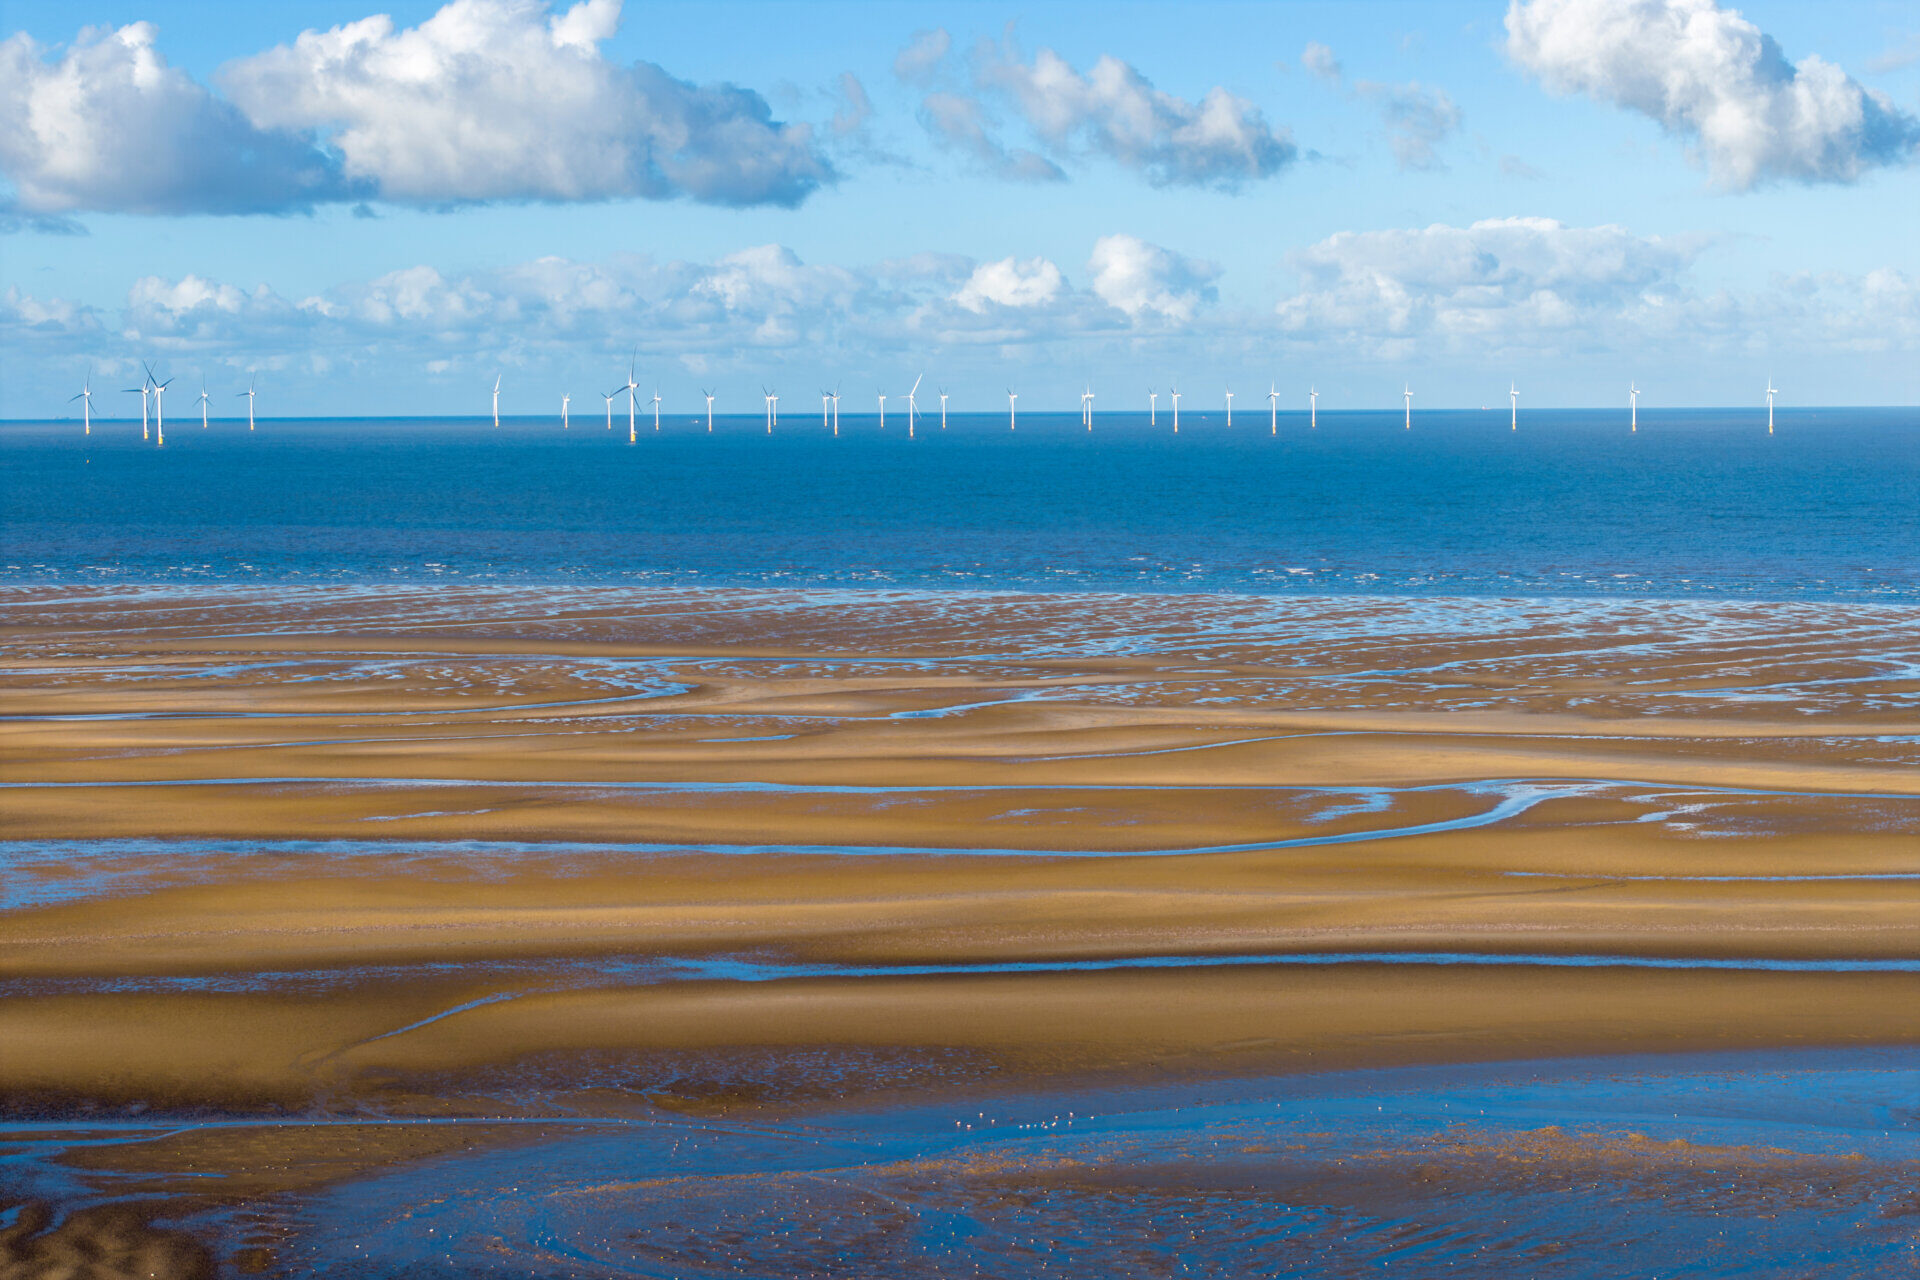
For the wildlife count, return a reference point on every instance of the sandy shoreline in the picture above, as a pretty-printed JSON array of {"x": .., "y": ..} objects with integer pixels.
[{"x": 1726, "y": 782}]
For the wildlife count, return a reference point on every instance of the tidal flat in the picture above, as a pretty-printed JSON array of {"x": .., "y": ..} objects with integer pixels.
[{"x": 444, "y": 930}]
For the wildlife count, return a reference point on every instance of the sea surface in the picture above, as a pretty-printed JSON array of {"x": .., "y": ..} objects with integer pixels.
[{"x": 1698, "y": 502}]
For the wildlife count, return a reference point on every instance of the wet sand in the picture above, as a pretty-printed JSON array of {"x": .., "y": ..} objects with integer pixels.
[{"x": 611, "y": 854}]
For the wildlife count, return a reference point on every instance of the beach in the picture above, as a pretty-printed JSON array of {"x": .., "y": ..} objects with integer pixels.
[{"x": 509, "y": 854}]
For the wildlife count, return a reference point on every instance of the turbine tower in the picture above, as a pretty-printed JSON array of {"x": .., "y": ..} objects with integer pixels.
[
  {"x": 159, "y": 412},
  {"x": 709, "y": 396},
  {"x": 202, "y": 402},
  {"x": 142, "y": 391},
  {"x": 632, "y": 400},
  {"x": 825, "y": 421},
  {"x": 1153, "y": 407},
  {"x": 86, "y": 404},
  {"x": 1089, "y": 406},
  {"x": 1772, "y": 391},
  {"x": 496, "y": 399},
  {"x": 1408, "y": 393},
  {"x": 1273, "y": 410},
  {"x": 1013, "y": 420},
  {"x": 1173, "y": 393},
  {"x": 1229, "y": 406},
  {"x": 912, "y": 405},
  {"x": 610, "y": 397},
  {"x": 565, "y": 400},
  {"x": 1633, "y": 400},
  {"x": 883, "y": 411},
  {"x": 656, "y": 408},
  {"x": 770, "y": 401},
  {"x": 1313, "y": 409},
  {"x": 836, "y": 412},
  {"x": 1513, "y": 394},
  {"x": 249, "y": 394},
  {"x": 943, "y": 410}
]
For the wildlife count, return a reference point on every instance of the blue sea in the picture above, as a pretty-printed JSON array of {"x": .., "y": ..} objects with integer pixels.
[{"x": 1698, "y": 502}]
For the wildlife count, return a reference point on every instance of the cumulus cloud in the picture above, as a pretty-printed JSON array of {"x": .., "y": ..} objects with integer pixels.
[
  {"x": 1418, "y": 120},
  {"x": 960, "y": 122},
  {"x": 1319, "y": 59},
  {"x": 500, "y": 99},
  {"x": 108, "y": 124},
  {"x": 1498, "y": 279},
  {"x": 1709, "y": 75},
  {"x": 485, "y": 100},
  {"x": 1145, "y": 280},
  {"x": 1010, "y": 282},
  {"x": 1113, "y": 110}
]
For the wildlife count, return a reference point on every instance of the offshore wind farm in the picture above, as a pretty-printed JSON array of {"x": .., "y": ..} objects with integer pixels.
[{"x": 1024, "y": 836}]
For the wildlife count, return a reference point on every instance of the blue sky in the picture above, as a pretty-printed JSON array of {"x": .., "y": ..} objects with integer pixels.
[{"x": 1566, "y": 193}]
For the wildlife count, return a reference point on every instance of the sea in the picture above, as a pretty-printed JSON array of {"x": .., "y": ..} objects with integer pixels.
[{"x": 1697, "y": 502}]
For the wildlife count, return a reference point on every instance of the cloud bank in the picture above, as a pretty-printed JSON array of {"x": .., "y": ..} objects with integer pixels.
[
  {"x": 1709, "y": 75},
  {"x": 486, "y": 100}
]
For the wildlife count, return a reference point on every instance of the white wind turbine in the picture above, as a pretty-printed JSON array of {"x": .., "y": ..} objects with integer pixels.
[
  {"x": 86, "y": 405},
  {"x": 249, "y": 393},
  {"x": 913, "y": 406},
  {"x": 1313, "y": 409},
  {"x": 1086, "y": 407},
  {"x": 1513, "y": 393},
  {"x": 496, "y": 399},
  {"x": 883, "y": 411},
  {"x": 1229, "y": 406},
  {"x": 1633, "y": 402},
  {"x": 610, "y": 397},
  {"x": 1013, "y": 420},
  {"x": 1173, "y": 394},
  {"x": 825, "y": 420},
  {"x": 202, "y": 402},
  {"x": 1408, "y": 393},
  {"x": 943, "y": 409},
  {"x": 1153, "y": 407},
  {"x": 159, "y": 412},
  {"x": 1273, "y": 410},
  {"x": 565, "y": 400},
  {"x": 145, "y": 387},
  {"x": 656, "y": 408},
  {"x": 633, "y": 402},
  {"x": 772, "y": 400},
  {"x": 835, "y": 397},
  {"x": 1772, "y": 391},
  {"x": 709, "y": 396}
]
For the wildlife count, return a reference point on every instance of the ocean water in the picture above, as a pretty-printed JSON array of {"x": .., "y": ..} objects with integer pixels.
[{"x": 1699, "y": 502}]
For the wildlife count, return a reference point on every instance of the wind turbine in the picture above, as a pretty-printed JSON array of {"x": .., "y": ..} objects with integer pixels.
[
  {"x": 86, "y": 404},
  {"x": 249, "y": 394},
  {"x": 565, "y": 400},
  {"x": 1229, "y": 406},
  {"x": 1089, "y": 406},
  {"x": 1772, "y": 391},
  {"x": 1633, "y": 400},
  {"x": 141, "y": 390},
  {"x": 709, "y": 396},
  {"x": 1513, "y": 393},
  {"x": 202, "y": 402},
  {"x": 1273, "y": 409},
  {"x": 912, "y": 405},
  {"x": 656, "y": 408},
  {"x": 835, "y": 397},
  {"x": 1313, "y": 409},
  {"x": 496, "y": 399},
  {"x": 772, "y": 399},
  {"x": 610, "y": 397},
  {"x": 1173, "y": 393},
  {"x": 632, "y": 403},
  {"x": 159, "y": 413},
  {"x": 1408, "y": 393},
  {"x": 1013, "y": 420},
  {"x": 825, "y": 421},
  {"x": 943, "y": 410},
  {"x": 1153, "y": 407},
  {"x": 883, "y": 411}
]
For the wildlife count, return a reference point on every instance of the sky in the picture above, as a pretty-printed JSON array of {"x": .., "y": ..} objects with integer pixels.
[{"x": 380, "y": 209}]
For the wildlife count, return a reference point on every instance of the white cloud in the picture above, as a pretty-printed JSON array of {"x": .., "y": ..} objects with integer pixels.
[
  {"x": 1417, "y": 120},
  {"x": 960, "y": 122},
  {"x": 1710, "y": 75},
  {"x": 108, "y": 124},
  {"x": 1145, "y": 280},
  {"x": 920, "y": 61},
  {"x": 485, "y": 100},
  {"x": 1220, "y": 141},
  {"x": 1499, "y": 280},
  {"x": 1011, "y": 282},
  {"x": 495, "y": 99},
  {"x": 1319, "y": 59}
]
